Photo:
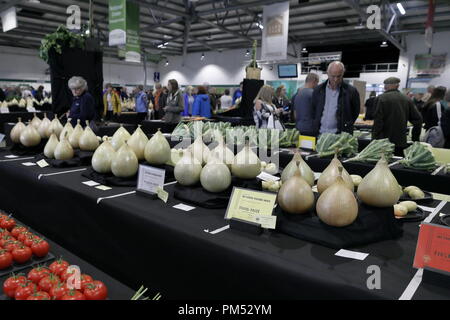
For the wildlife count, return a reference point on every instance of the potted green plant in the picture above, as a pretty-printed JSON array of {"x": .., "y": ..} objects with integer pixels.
[
  {"x": 252, "y": 70},
  {"x": 60, "y": 39}
]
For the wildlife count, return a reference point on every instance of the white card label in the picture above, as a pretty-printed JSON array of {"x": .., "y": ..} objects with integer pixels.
[
  {"x": 11, "y": 156},
  {"x": 42, "y": 163},
  {"x": 150, "y": 179},
  {"x": 4, "y": 110},
  {"x": 104, "y": 188},
  {"x": 28, "y": 164},
  {"x": 31, "y": 109},
  {"x": 264, "y": 176},
  {"x": 91, "y": 183},
  {"x": 2, "y": 136},
  {"x": 351, "y": 254},
  {"x": 184, "y": 207}
]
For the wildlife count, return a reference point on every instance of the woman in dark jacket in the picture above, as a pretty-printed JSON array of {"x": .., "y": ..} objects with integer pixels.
[
  {"x": 83, "y": 106},
  {"x": 430, "y": 118},
  {"x": 370, "y": 106},
  {"x": 202, "y": 104}
]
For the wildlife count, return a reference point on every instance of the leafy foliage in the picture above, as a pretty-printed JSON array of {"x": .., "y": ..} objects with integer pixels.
[{"x": 61, "y": 38}]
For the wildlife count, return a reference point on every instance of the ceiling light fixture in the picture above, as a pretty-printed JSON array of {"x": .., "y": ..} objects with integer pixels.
[
  {"x": 167, "y": 63},
  {"x": 247, "y": 53},
  {"x": 259, "y": 25},
  {"x": 203, "y": 56},
  {"x": 384, "y": 44},
  {"x": 400, "y": 8}
]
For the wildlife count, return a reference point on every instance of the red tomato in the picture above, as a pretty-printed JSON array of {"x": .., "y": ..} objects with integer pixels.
[
  {"x": 23, "y": 235},
  {"x": 47, "y": 282},
  {"x": 40, "y": 248},
  {"x": 28, "y": 241},
  {"x": 11, "y": 245},
  {"x": 8, "y": 223},
  {"x": 22, "y": 254},
  {"x": 24, "y": 290},
  {"x": 96, "y": 290},
  {"x": 58, "y": 291},
  {"x": 10, "y": 285},
  {"x": 40, "y": 295},
  {"x": 5, "y": 238},
  {"x": 66, "y": 275},
  {"x": 5, "y": 259},
  {"x": 59, "y": 266},
  {"x": 37, "y": 274},
  {"x": 3, "y": 232},
  {"x": 17, "y": 230},
  {"x": 85, "y": 279},
  {"x": 73, "y": 295}
]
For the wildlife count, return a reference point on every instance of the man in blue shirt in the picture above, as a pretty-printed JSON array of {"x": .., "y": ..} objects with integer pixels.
[
  {"x": 238, "y": 93},
  {"x": 303, "y": 105},
  {"x": 141, "y": 103}
]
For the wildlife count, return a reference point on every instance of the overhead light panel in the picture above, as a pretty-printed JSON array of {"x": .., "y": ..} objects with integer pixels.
[
  {"x": 203, "y": 57},
  {"x": 400, "y": 8}
]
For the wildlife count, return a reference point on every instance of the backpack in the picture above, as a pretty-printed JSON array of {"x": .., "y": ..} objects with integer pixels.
[{"x": 435, "y": 135}]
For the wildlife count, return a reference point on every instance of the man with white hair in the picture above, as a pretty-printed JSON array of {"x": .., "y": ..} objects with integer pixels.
[{"x": 335, "y": 104}]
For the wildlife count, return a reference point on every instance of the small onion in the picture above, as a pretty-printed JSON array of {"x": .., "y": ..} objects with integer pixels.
[{"x": 330, "y": 174}]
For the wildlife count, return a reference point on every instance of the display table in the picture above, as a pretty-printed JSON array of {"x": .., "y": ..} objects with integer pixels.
[
  {"x": 140, "y": 241},
  {"x": 127, "y": 117},
  {"x": 406, "y": 177},
  {"x": 13, "y": 116},
  {"x": 151, "y": 126},
  {"x": 116, "y": 290}
]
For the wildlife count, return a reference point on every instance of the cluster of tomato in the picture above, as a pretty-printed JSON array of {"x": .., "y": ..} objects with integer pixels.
[
  {"x": 18, "y": 244},
  {"x": 51, "y": 283}
]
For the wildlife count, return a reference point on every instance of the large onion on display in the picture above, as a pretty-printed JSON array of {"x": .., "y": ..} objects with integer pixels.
[
  {"x": 137, "y": 142},
  {"x": 305, "y": 171},
  {"x": 67, "y": 128},
  {"x": 36, "y": 122},
  {"x": 55, "y": 127},
  {"x": 246, "y": 164},
  {"x": 119, "y": 137},
  {"x": 295, "y": 195},
  {"x": 187, "y": 171},
  {"x": 74, "y": 137},
  {"x": 157, "y": 150},
  {"x": 215, "y": 176},
  {"x": 125, "y": 163},
  {"x": 29, "y": 137},
  {"x": 88, "y": 140},
  {"x": 64, "y": 150},
  {"x": 330, "y": 174},
  {"x": 379, "y": 188},
  {"x": 44, "y": 126},
  {"x": 222, "y": 153},
  {"x": 199, "y": 150},
  {"x": 49, "y": 150},
  {"x": 337, "y": 205},
  {"x": 16, "y": 131},
  {"x": 102, "y": 158}
]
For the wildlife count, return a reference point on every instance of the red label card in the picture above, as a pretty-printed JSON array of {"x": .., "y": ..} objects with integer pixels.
[{"x": 433, "y": 247}]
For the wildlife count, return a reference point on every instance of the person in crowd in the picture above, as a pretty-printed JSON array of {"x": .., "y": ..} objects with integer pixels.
[
  {"x": 418, "y": 102},
  {"x": 266, "y": 114},
  {"x": 213, "y": 99},
  {"x": 123, "y": 93},
  {"x": 163, "y": 101},
  {"x": 238, "y": 93},
  {"x": 158, "y": 93},
  {"x": 226, "y": 101},
  {"x": 202, "y": 104},
  {"x": 188, "y": 101},
  {"x": 174, "y": 103},
  {"x": 336, "y": 104},
  {"x": 2, "y": 95},
  {"x": 83, "y": 105},
  {"x": 40, "y": 95},
  {"x": 26, "y": 93},
  {"x": 427, "y": 95},
  {"x": 141, "y": 103},
  {"x": 280, "y": 99},
  {"x": 111, "y": 103},
  {"x": 304, "y": 115},
  {"x": 430, "y": 118},
  {"x": 370, "y": 106},
  {"x": 445, "y": 123},
  {"x": 392, "y": 113},
  {"x": 296, "y": 94}
]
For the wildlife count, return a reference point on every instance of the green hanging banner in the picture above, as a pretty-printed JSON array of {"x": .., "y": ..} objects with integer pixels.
[{"x": 124, "y": 29}]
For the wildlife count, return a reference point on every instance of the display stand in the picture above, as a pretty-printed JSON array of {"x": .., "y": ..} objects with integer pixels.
[
  {"x": 151, "y": 196},
  {"x": 245, "y": 226}
]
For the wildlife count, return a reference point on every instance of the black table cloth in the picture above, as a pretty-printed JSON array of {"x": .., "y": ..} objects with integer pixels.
[
  {"x": 152, "y": 126},
  {"x": 127, "y": 117},
  {"x": 142, "y": 241}
]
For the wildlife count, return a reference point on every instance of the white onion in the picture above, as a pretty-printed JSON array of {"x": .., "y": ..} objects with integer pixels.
[
  {"x": 157, "y": 150},
  {"x": 125, "y": 163},
  {"x": 16, "y": 131},
  {"x": 187, "y": 171}
]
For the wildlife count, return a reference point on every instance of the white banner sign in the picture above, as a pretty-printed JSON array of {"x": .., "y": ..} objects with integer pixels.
[{"x": 275, "y": 32}]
